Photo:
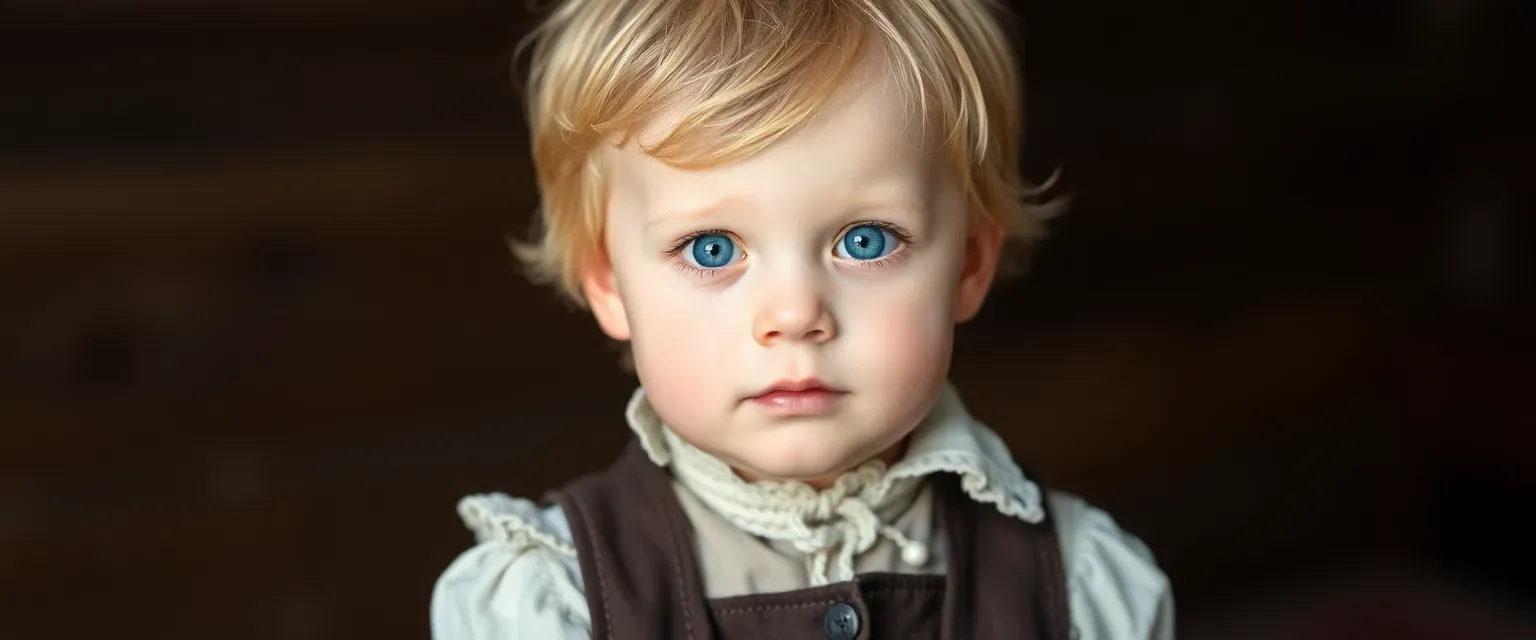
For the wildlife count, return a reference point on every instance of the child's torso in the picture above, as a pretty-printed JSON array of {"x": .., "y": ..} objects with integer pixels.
[{"x": 655, "y": 565}]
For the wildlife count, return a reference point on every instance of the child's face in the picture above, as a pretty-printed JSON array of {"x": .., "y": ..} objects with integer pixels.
[{"x": 840, "y": 257}]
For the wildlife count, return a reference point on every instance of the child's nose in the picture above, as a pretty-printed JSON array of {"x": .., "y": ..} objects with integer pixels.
[{"x": 796, "y": 316}]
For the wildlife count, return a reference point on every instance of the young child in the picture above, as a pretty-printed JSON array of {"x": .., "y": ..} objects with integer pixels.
[{"x": 784, "y": 207}]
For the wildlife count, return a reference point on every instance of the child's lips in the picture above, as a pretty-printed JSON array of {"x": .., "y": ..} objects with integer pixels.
[{"x": 803, "y": 402}]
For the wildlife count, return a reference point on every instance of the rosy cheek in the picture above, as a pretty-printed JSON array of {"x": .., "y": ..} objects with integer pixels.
[
  {"x": 667, "y": 340},
  {"x": 681, "y": 347},
  {"x": 902, "y": 346}
]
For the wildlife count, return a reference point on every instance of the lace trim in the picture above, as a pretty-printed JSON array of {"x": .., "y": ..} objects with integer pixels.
[
  {"x": 831, "y": 526},
  {"x": 499, "y": 517},
  {"x": 835, "y": 525},
  {"x": 1016, "y": 497},
  {"x": 949, "y": 441},
  {"x": 514, "y": 524}
]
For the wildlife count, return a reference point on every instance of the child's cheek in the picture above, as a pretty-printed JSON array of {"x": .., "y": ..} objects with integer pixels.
[
  {"x": 899, "y": 346},
  {"x": 685, "y": 343}
]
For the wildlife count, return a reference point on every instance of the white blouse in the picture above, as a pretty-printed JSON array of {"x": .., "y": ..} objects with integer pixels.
[{"x": 523, "y": 580}]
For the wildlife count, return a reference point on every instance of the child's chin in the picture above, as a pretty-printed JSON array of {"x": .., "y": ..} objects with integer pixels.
[{"x": 805, "y": 462}]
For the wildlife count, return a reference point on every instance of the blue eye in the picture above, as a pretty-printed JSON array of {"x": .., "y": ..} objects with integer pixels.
[
  {"x": 866, "y": 242},
  {"x": 711, "y": 251}
]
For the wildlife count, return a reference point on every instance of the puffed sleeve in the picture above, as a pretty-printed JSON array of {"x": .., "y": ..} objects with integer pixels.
[
  {"x": 1115, "y": 588},
  {"x": 521, "y": 581}
]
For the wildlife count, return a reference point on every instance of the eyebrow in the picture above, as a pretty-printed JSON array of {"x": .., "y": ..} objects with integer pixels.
[
  {"x": 740, "y": 202},
  {"x": 714, "y": 208},
  {"x": 915, "y": 206}
]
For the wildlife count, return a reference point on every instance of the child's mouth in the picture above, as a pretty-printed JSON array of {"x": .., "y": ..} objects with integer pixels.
[{"x": 800, "y": 398}]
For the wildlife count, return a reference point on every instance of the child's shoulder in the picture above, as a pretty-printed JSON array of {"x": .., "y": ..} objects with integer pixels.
[
  {"x": 1116, "y": 588},
  {"x": 521, "y": 579}
]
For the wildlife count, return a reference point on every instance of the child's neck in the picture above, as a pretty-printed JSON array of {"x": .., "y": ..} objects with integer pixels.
[{"x": 889, "y": 456}]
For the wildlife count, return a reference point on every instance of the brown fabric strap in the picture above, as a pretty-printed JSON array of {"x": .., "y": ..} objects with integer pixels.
[
  {"x": 635, "y": 547},
  {"x": 1017, "y": 589}
]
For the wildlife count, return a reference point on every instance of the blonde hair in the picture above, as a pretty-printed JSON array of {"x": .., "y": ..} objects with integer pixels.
[{"x": 757, "y": 69}]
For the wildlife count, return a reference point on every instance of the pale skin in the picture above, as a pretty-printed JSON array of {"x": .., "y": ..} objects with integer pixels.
[{"x": 783, "y": 294}]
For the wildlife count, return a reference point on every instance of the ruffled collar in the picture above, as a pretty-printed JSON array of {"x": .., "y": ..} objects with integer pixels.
[{"x": 834, "y": 525}]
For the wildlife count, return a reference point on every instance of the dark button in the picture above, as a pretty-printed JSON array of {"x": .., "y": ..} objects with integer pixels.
[{"x": 841, "y": 622}]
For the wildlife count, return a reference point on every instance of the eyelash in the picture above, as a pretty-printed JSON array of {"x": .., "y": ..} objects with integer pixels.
[
  {"x": 674, "y": 252},
  {"x": 900, "y": 234}
]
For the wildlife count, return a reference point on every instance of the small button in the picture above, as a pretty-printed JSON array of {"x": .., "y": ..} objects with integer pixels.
[{"x": 841, "y": 622}]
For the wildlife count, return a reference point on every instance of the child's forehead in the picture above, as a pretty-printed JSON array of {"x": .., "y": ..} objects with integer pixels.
[
  {"x": 867, "y": 131},
  {"x": 870, "y": 92},
  {"x": 831, "y": 169}
]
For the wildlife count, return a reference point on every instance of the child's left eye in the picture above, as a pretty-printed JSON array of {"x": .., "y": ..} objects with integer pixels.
[{"x": 866, "y": 242}]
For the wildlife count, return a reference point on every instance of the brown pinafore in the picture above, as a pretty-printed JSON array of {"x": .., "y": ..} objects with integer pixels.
[{"x": 640, "y": 572}]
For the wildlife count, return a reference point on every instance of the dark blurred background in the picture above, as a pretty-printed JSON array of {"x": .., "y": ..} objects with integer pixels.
[{"x": 259, "y": 330}]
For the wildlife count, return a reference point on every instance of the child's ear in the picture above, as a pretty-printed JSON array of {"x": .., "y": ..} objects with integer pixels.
[
  {"x": 602, "y": 293},
  {"x": 983, "y": 247}
]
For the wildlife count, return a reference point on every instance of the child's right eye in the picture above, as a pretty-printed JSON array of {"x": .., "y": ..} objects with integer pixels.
[{"x": 711, "y": 251}]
